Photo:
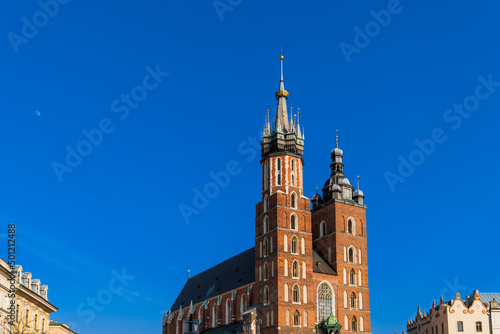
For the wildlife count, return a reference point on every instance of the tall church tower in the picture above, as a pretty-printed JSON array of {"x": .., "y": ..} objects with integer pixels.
[
  {"x": 339, "y": 232},
  {"x": 283, "y": 243}
]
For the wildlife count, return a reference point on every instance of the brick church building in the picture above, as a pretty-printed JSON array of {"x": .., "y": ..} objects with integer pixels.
[{"x": 308, "y": 271}]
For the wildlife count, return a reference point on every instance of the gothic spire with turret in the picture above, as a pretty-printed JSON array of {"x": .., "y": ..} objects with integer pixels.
[{"x": 284, "y": 137}]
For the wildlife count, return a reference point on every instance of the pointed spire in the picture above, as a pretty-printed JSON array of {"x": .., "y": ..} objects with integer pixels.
[
  {"x": 189, "y": 274},
  {"x": 433, "y": 303},
  {"x": 298, "y": 123},
  {"x": 282, "y": 112},
  {"x": 441, "y": 301},
  {"x": 358, "y": 182},
  {"x": 317, "y": 188}
]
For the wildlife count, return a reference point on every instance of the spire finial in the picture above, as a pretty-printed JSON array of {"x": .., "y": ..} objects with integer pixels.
[
  {"x": 189, "y": 273},
  {"x": 316, "y": 187},
  {"x": 358, "y": 182},
  {"x": 337, "y": 139}
]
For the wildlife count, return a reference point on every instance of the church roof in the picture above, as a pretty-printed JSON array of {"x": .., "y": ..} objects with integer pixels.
[
  {"x": 320, "y": 265},
  {"x": 226, "y": 276},
  {"x": 488, "y": 297}
]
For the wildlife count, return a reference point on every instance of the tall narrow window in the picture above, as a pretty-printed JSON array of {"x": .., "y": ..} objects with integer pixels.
[
  {"x": 350, "y": 226},
  {"x": 360, "y": 300},
  {"x": 271, "y": 245},
  {"x": 325, "y": 297},
  {"x": 293, "y": 180},
  {"x": 362, "y": 324},
  {"x": 272, "y": 268},
  {"x": 360, "y": 280},
  {"x": 296, "y": 294},
  {"x": 322, "y": 229},
  {"x": 479, "y": 326},
  {"x": 279, "y": 164},
  {"x": 285, "y": 243},
  {"x": 346, "y": 322},
  {"x": 266, "y": 272},
  {"x": 279, "y": 179},
  {"x": 293, "y": 222},
  {"x": 293, "y": 200},
  {"x": 243, "y": 306},
  {"x": 345, "y": 275},
  {"x": 293, "y": 165},
  {"x": 266, "y": 295},
  {"x": 214, "y": 316},
  {"x": 304, "y": 294},
  {"x": 266, "y": 224},
  {"x": 353, "y": 301},
  {"x": 266, "y": 203},
  {"x": 286, "y": 267},
  {"x": 304, "y": 272},
  {"x": 228, "y": 311},
  {"x": 295, "y": 269},
  {"x": 285, "y": 291},
  {"x": 303, "y": 246},
  {"x": 296, "y": 319},
  {"x": 265, "y": 247},
  {"x": 354, "y": 324},
  {"x": 287, "y": 321},
  {"x": 294, "y": 245},
  {"x": 305, "y": 318},
  {"x": 352, "y": 277},
  {"x": 460, "y": 326},
  {"x": 351, "y": 255}
]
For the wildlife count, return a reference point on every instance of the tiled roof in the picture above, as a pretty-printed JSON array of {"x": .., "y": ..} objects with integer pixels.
[
  {"x": 320, "y": 265},
  {"x": 226, "y": 276}
]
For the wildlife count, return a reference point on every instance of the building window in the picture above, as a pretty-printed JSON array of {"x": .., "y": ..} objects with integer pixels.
[
  {"x": 303, "y": 246},
  {"x": 271, "y": 245},
  {"x": 305, "y": 318},
  {"x": 362, "y": 324},
  {"x": 214, "y": 316},
  {"x": 293, "y": 222},
  {"x": 285, "y": 243},
  {"x": 479, "y": 326},
  {"x": 266, "y": 295},
  {"x": 279, "y": 164},
  {"x": 351, "y": 255},
  {"x": 228, "y": 311},
  {"x": 353, "y": 301},
  {"x": 350, "y": 226},
  {"x": 286, "y": 292},
  {"x": 296, "y": 319},
  {"x": 304, "y": 272},
  {"x": 266, "y": 272},
  {"x": 460, "y": 326},
  {"x": 265, "y": 247},
  {"x": 322, "y": 229},
  {"x": 304, "y": 295},
  {"x": 293, "y": 199},
  {"x": 287, "y": 317},
  {"x": 243, "y": 305},
  {"x": 286, "y": 267},
  {"x": 360, "y": 280},
  {"x": 295, "y": 247},
  {"x": 293, "y": 165},
  {"x": 296, "y": 294},
  {"x": 272, "y": 268},
  {"x": 354, "y": 324},
  {"x": 279, "y": 179},
  {"x": 266, "y": 224},
  {"x": 360, "y": 300},
  {"x": 266, "y": 203},
  {"x": 325, "y": 297},
  {"x": 352, "y": 277},
  {"x": 295, "y": 269},
  {"x": 293, "y": 181}
]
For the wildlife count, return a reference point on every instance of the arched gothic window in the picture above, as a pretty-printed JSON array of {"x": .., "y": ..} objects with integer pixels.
[
  {"x": 287, "y": 317},
  {"x": 354, "y": 324},
  {"x": 353, "y": 301},
  {"x": 305, "y": 318},
  {"x": 295, "y": 246},
  {"x": 293, "y": 198},
  {"x": 296, "y": 319},
  {"x": 279, "y": 164},
  {"x": 266, "y": 224},
  {"x": 293, "y": 165},
  {"x": 228, "y": 311},
  {"x": 243, "y": 306},
  {"x": 265, "y": 247},
  {"x": 266, "y": 295},
  {"x": 286, "y": 267},
  {"x": 296, "y": 294},
  {"x": 351, "y": 255},
  {"x": 295, "y": 269},
  {"x": 293, "y": 182},
  {"x": 325, "y": 298},
  {"x": 322, "y": 229},
  {"x": 279, "y": 179},
  {"x": 214, "y": 316},
  {"x": 352, "y": 277},
  {"x": 266, "y": 203},
  {"x": 293, "y": 222},
  {"x": 286, "y": 292},
  {"x": 266, "y": 271},
  {"x": 350, "y": 226}
]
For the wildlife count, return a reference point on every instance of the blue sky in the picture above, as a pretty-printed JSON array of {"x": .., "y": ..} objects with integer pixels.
[{"x": 215, "y": 72}]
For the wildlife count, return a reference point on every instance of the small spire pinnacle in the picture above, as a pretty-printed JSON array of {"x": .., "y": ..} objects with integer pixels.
[
  {"x": 189, "y": 273},
  {"x": 358, "y": 182},
  {"x": 337, "y": 139},
  {"x": 316, "y": 187}
]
